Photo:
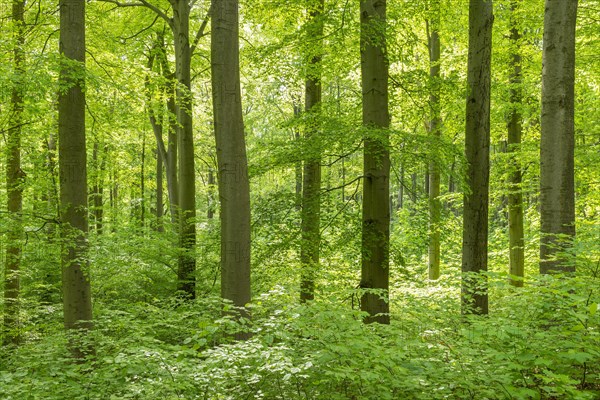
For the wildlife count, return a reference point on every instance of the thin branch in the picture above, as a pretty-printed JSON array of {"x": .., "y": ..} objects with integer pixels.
[
  {"x": 124, "y": 39},
  {"x": 143, "y": 3},
  {"x": 202, "y": 31}
]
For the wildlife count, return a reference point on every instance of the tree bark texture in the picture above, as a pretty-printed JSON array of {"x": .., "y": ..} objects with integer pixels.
[
  {"x": 14, "y": 182},
  {"x": 557, "y": 182},
  {"x": 311, "y": 187},
  {"x": 477, "y": 150},
  {"x": 515, "y": 129},
  {"x": 234, "y": 188},
  {"x": 435, "y": 130},
  {"x": 73, "y": 172},
  {"x": 185, "y": 145},
  {"x": 376, "y": 167}
]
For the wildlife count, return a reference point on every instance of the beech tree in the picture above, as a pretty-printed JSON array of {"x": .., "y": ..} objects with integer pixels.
[
  {"x": 557, "y": 148},
  {"x": 14, "y": 180},
  {"x": 376, "y": 168},
  {"x": 234, "y": 186},
  {"x": 435, "y": 130},
  {"x": 515, "y": 129},
  {"x": 311, "y": 187},
  {"x": 77, "y": 301},
  {"x": 477, "y": 150}
]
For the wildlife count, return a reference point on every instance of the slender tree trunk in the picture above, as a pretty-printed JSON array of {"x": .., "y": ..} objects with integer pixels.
[
  {"x": 114, "y": 198},
  {"x": 159, "y": 191},
  {"x": 165, "y": 117},
  {"x": 557, "y": 181},
  {"x": 172, "y": 160},
  {"x": 186, "y": 268},
  {"x": 98, "y": 189},
  {"x": 77, "y": 299},
  {"x": 14, "y": 183},
  {"x": 376, "y": 117},
  {"x": 210, "y": 212},
  {"x": 435, "y": 130},
  {"x": 311, "y": 188},
  {"x": 298, "y": 164},
  {"x": 515, "y": 196},
  {"x": 401, "y": 189},
  {"x": 477, "y": 150},
  {"x": 234, "y": 187},
  {"x": 143, "y": 182}
]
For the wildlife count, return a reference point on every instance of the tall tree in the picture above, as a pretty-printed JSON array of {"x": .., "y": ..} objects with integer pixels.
[
  {"x": 14, "y": 181},
  {"x": 477, "y": 150},
  {"x": 515, "y": 129},
  {"x": 435, "y": 130},
  {"x": 557, "y": 172},
  {"x": 185, "y": 145},
  {"x": 311, "y": 188},
  {"x": 234, "y": 186},
  {"x": 77, "y": 300},
  {"x": 376, "y": 167}
]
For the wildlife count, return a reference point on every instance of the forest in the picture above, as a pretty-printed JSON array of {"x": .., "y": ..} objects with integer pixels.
[{"x": 300, "y": 199}]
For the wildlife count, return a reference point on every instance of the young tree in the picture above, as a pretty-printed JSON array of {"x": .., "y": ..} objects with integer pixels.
[
  {"x": 234, "y": 187},
  {"x": 77, "y": 298},
  {"x": 515, "y": 196},
  {"x": 376, "y": 189},
  {"x": 477, "y": 150},
  {"x": 435, "y": 206},
  {"x": 14, "y": 181},
  {"x": 557, "y": 172},
  {"x": 311, "y": 188}
]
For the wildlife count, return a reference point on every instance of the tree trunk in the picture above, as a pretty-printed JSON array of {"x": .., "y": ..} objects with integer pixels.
[
  {"x": 234, "y": 187},
  {"x": 311, "y": 188},
  {"x": 14, "y": 183},
  {"x": 557, "y": 187},
  {"x": 186, "y": 268},
  {"x": 210, "y": 211},
  {"x": 376, "y": 210},
  {"x": 98, "y": 188},
  {"x": 477, "y": 150},
  {"x": 515, "y": 196},
  {"x": 298, "y": 164},
  {"x": 159, "y": 191},
  {"x": 77, "y": 299},
  {"x": 435, "y": 130},
  {"x": 401, "y": 189}
]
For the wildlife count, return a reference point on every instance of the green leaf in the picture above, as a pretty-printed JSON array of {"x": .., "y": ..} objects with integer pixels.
[{"x": 593, "y": 308}]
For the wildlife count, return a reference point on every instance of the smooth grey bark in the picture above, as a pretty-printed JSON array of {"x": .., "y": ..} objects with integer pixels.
[
  {"x": 210, "y": 209},
  {"x": 159, "y": 191},
  {"x": 435, "y": 130},
  {"x": 234, "y": 187},
  {"x": 14, "y": 183},
  {"x": 311, "y": 187},
  {"x": 77, "y": 301},
  {"x": 477, "y": 151},
  {"x": 375, "y": 206},
  {"x": 186, "y": 268},
  {"x": 515, "y": 129},
  {"x": 557, "y": 173}
]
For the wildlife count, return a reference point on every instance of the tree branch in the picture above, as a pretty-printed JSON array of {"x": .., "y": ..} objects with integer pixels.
[
  {"x": 143, "y": 3},
  {"x": 202, "y": 31}
]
